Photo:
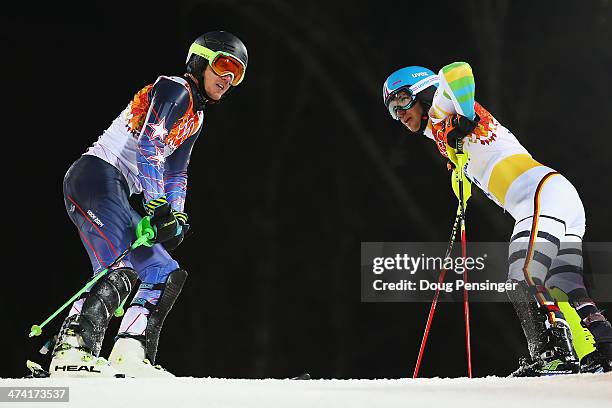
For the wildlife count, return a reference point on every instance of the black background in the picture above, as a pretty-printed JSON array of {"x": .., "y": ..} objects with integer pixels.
[{"x": 296, "y": 168}]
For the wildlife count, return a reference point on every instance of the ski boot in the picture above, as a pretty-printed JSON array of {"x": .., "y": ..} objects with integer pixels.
[
  {"x": 595, "y": 362},
  {"x": 600, "y": 360},
  {"x": 550, "y": 348},
  {"x": 555, "y": 356},
  {"x": 71, "y": 358},
  {"x": 128, "y": 356},
  {"x": 77, "y": 350},
  {"x": 134, "y": 354}
]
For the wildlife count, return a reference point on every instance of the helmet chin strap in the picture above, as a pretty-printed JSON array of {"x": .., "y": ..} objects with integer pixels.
[
  {"x": 424, "y": 116},
  {"x": 424, "y": 120}
]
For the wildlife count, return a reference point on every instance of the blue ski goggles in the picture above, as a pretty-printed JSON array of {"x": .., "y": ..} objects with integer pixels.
[{"x": 402, "y": 100}]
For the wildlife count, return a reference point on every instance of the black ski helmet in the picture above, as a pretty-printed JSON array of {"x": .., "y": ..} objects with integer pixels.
[{"x": 215, "y": 41}]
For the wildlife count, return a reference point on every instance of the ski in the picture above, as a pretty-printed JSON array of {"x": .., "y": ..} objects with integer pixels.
[
  {"x": 36, "y": 370},
  {"x": 303, "y": 376}
]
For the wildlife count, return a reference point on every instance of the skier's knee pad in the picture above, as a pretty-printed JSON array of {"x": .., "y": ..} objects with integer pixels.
[
  {"x": 170, "y": 291},
  {"x": 105, "y": 296}
]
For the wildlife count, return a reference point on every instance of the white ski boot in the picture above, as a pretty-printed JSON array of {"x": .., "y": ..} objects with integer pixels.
[
  {"x": 80, "y": 339},
  {"x": 128, "y": 356},
  {"x": 71, "y": 359}
]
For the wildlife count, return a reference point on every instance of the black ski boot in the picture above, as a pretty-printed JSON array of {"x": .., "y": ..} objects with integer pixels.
[
  {"x": 600, "y": 360},
  {"x": 550, "y": 349},
  {"x": 556, "y": 355}
]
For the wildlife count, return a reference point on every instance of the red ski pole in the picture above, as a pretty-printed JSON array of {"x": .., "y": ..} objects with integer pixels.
[
  {"x": 434, "y": 302},
  {"x": 466, "y": 304}
]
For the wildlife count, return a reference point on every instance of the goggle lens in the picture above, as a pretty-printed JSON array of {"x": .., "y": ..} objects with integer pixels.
[
  {"x": 225, "y": 64},
  {"x": 401, "y": 101}
]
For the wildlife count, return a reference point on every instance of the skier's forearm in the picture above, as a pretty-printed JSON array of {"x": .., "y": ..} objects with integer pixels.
[
  {"x": 457, "y": 83},
  {"x": 175, "y": 175},
  {"x": 175, "y": 185}
]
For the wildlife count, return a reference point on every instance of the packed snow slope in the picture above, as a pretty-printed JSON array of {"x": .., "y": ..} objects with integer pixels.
[{"x": 586, "y": 390}]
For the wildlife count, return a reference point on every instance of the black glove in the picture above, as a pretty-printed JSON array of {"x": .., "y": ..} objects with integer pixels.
[
  {"x": 457, "y": 127},
  {"x": 166, "y": 225},
  {"x": 174, "y": 242}
]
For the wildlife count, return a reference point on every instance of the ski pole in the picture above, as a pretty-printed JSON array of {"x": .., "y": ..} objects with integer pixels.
[
  {"x": 434, "y": 302},
  {"x": 461, "y": 161},
  {"x": 145, "y": 233}
]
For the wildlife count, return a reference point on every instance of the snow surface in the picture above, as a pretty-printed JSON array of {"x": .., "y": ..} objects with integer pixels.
[{"x": 582, "y": 391}]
